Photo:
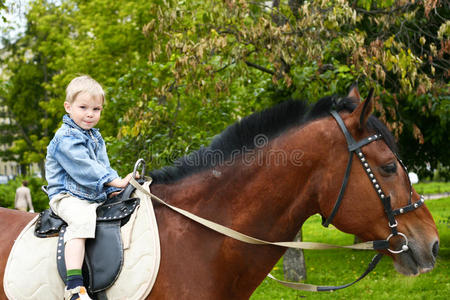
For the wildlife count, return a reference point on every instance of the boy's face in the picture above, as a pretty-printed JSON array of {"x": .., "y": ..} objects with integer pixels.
[{"x": 85, "y": 110}]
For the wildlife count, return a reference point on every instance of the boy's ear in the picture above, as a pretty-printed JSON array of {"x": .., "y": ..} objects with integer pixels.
[
  {"x": 364, "y": 110},
  {"x": 67, "y": 106}
]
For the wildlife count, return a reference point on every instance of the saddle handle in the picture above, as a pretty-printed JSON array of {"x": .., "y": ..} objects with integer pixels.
[
  {"x": 44, "y": 188},
  {"x": 139, "y": 162}
]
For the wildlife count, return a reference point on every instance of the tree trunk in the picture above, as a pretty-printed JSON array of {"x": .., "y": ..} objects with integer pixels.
[
  {"x": 42, "y": 168},
  {"x": 294, "y": 263},
  {"x": 23, "y": 169}
]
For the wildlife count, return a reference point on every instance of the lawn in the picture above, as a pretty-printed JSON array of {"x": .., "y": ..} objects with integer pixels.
[
  {"x": 435, "y": 187},
  {"x": 335, "y": 267}
]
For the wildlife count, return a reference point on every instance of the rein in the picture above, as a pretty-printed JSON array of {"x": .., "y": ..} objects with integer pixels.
[
  {"x": 371, "y": 245},
  {"x": 354, "y": 147}
]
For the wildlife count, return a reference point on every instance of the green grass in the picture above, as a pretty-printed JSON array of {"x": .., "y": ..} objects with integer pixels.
[
  {"x": 432, "y": 187},
  {"x": 335, "y": 267}
]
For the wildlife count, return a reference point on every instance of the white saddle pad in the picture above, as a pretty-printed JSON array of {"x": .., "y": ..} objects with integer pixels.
[{"x": 31, "y": 272}]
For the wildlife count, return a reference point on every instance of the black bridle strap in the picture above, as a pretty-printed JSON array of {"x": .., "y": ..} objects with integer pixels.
[
  {"x": 390, "y": 214},
  {"x": 375, "y": 260},
  {"x": 409, "y": 207},
  {"x": 353, "y": 146},
  {"x": 326, "y": 222},
  {"x": 319, "y": 288},
  {"x": 350, "y": 141}
]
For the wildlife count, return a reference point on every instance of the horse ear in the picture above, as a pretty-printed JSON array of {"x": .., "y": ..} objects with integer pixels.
[
  {"x": 354, "y": 93},
  {"x": 364, "y": 110}
]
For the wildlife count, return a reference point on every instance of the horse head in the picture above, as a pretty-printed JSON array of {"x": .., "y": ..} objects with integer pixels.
[
  {"x": 377, "y": 201},
  {"x": 266, "y": 174}
]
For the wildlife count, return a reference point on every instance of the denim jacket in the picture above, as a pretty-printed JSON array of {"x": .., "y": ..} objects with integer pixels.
[{"x": 77, "y": 163}]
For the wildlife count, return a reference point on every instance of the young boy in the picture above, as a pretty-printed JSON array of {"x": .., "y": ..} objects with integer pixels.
[{"x": 79, "y": 175}]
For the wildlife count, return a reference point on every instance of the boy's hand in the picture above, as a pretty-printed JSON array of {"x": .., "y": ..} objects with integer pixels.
[{"x": 121, "y": 182}]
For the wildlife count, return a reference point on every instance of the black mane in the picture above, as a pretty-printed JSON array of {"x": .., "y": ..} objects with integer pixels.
[{"x": 268, "y": 124}]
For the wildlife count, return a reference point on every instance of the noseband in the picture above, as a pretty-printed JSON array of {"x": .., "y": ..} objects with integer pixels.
[{"x": 355, "y": 148}]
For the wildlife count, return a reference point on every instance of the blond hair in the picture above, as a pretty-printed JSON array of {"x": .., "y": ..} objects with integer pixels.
[{"x": 84, "y": 84}]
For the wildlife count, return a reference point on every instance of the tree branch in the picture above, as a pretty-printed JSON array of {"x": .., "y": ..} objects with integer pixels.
[
  {"x": 261, "y": 68},
  {"x": 384, "y": 11}
]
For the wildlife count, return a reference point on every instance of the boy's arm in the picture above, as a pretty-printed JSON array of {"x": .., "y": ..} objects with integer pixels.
[
  {"x": 120, "y": 182},
  {"x": 73, "y": 156}
]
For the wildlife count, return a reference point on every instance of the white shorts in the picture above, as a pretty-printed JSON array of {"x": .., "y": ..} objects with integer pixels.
[{"x": 80, "y": 215}]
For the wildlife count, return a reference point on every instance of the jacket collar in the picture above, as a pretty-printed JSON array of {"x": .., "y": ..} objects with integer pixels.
[{"x": 68, "y": 121}]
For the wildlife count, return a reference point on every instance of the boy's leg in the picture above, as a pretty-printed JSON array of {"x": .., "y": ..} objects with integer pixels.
[
  {"x": 74, "y": 257},
  {"x": 80, "y": 215},
  {"x": 74, "y": 253}
]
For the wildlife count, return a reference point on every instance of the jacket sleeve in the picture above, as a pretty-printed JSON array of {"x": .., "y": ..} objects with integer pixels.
[{"x": 73, "y": 155}]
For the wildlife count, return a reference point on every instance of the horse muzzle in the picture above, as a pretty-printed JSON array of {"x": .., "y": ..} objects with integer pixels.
[{"x": 417, "y": 259}]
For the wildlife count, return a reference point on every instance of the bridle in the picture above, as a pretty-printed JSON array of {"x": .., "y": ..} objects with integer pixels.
[{"x": 354, "y": 147}]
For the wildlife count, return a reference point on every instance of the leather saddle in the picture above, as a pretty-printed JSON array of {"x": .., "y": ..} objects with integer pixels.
[{"x": 104, "y": 254}]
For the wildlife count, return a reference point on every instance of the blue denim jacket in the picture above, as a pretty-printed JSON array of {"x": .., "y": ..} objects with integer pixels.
[{"x": 77, "y": 163}]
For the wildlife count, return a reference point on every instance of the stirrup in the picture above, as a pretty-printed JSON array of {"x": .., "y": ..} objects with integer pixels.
[{"x": 80, "y": 290}]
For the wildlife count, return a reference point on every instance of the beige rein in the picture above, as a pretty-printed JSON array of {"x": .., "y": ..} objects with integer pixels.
[{"x": 251, "y": 240}]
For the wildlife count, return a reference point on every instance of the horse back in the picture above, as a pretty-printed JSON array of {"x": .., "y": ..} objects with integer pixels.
[{"x": 11, "y": 224}]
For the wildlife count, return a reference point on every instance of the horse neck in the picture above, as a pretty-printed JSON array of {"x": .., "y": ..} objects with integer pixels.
[
  {"x": 273, "y": 186},
  {"x": 266, "y": 199}
]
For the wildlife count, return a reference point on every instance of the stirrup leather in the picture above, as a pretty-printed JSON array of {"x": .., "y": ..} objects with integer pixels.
[{"x": 80, "y": 290}]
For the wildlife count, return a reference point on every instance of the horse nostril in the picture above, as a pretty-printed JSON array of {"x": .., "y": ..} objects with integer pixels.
[{"x": 435, "y": 249}]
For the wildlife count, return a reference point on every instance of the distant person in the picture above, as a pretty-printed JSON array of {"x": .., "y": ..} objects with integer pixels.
[{"x": 23, "y": 198}]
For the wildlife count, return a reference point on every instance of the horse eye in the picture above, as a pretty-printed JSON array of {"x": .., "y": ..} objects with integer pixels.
[{"x": 390, "y": 168}]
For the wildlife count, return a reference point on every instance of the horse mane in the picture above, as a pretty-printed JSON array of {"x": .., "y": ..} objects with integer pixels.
[{"x": 269, "y": 123}]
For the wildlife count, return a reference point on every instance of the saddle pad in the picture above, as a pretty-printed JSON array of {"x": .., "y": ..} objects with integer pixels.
[{"x": 31, "y": 271}]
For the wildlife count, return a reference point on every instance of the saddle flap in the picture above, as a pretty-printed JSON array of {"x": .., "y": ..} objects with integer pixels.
[
  {"x": 103, "y": 257},
  {"x": 48, "y": 224}
]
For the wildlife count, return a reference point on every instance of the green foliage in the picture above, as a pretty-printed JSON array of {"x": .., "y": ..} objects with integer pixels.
[
  {"x": 7, "y": 195},
  {"x": 334, "y": 267},
  {"x": 39, "y": 198},
  {"x": 318, "y": 50},
  {"x": 177, "y": 73}
]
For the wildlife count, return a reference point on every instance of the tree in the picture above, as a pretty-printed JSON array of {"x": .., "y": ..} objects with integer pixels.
[
  {"x": 312, "y": 49},
  {"x": 64, "y": 39},
  {"x": 29, "y": 71},
  {"x": 308, "y": 50},
  {"x": 172, "y": 67}
]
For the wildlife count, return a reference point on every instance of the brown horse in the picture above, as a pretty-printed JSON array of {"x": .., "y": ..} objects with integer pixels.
[{"x": 264, "y": 176}]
